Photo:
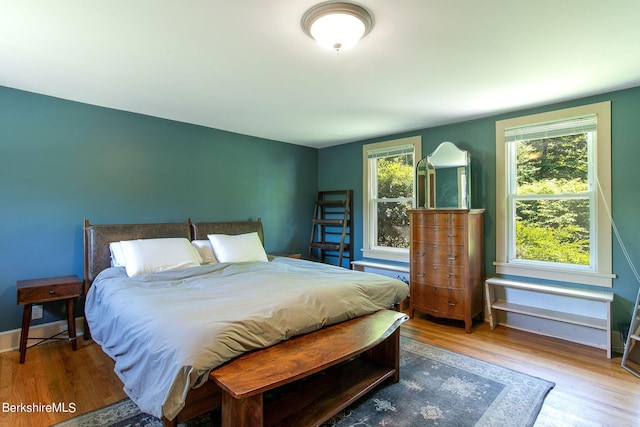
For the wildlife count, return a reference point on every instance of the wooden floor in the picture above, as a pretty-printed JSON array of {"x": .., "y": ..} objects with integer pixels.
[{"x": 590, "y": 390}]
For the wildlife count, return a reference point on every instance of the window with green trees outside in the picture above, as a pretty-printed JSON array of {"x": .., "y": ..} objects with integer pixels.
[
  {"x": 552, "y": 197},
  {"x": 553, "y": 189},
  {"x": 388, "y": 181}
]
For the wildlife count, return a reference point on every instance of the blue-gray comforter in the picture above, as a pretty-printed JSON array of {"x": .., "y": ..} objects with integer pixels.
[{"x": 167, "y": 330}]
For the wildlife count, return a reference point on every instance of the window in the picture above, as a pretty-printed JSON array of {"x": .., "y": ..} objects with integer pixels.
[
  {"x": 388, "y": 174},
  {"x": 553, "y": 173}
]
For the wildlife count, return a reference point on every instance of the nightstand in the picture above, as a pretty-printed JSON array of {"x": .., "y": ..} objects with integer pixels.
[
  {"x": 287, "y": 255},
  {"x": 47, "y": 290}
]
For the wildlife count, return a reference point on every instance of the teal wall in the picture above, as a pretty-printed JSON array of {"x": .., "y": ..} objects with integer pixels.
[
  {"x": 340, "y": 167},
  {"x": 62, "y": 162}
]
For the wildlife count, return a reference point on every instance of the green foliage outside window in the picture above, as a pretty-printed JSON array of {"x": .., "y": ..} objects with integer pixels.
[
  {"x": 395, "y": 180},
  {"x": 552, "y": 201}
]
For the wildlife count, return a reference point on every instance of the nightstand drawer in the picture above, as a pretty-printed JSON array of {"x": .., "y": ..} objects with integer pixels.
[{"x": 43, "y": 290}]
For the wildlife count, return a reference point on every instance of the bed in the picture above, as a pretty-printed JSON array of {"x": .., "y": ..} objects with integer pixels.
[{"x": 171, "y": 332}]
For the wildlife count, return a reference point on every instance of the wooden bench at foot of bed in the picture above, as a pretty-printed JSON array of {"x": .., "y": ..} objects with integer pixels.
[{"x": 353, "y": 357}]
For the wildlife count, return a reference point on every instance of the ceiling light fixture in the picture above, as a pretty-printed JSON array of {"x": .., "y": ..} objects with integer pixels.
[{"x": 337, "y": 25}]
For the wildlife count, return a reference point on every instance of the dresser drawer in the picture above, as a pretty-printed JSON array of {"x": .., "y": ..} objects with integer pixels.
[
  {"x": 455, "y": 220},
  {"x": 31, "y": 292},
  {"x": 440, "y": 219},
  {"x": 438, "y": 300},
  {"x": 441, "y": 235},
  {"x": 439, "y": 254},
  {"x": 423, "y": 219},
  {"x": 439, "y": 275}
]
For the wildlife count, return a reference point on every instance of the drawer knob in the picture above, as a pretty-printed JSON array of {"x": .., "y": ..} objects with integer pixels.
[
  {"x": 453, "y": 257},
  {"x": 453, "y": 304},
  {"x": 450, "y": 275},
  {"x": 452, "y": 235},
  {"x": 52, "y": 292},
  {"x": 420, "y": 274}
]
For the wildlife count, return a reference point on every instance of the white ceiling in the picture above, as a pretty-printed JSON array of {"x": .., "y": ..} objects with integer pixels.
[{"x": 246, "y": 66}]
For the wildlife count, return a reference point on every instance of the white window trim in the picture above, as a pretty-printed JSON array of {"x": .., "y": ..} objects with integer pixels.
[
  {"x": 602, "y": 274},
  {"x": 379, "y": 252}
]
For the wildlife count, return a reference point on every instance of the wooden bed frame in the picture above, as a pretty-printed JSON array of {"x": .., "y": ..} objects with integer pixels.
[{"x": 362, "y": 351}]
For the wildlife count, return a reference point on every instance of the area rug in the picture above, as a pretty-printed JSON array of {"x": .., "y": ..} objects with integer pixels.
[{"x": 437, "y": 388}]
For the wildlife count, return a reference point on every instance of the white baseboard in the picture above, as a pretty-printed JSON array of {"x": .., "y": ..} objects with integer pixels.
[{"x": 10, "y": 340}]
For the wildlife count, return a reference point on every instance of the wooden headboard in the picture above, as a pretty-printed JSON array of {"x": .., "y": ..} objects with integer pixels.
[
  {"x": 200, "y": 230},
  {"x": 97, "y": 256}
]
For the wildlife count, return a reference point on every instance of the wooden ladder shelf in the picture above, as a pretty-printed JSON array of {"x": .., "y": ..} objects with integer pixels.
[{"x": 332, "y": 227}]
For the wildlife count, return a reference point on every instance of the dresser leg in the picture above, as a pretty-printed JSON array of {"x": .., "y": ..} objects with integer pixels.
[
  {"x": 24, "y": 333},
  {"x": 71, "y": 324}
]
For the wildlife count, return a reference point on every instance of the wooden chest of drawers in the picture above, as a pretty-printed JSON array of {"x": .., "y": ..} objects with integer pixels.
[{"x": 447, "y": 260}]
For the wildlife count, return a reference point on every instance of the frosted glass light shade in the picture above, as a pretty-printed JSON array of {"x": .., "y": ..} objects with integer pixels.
[
  {"x": 337, "y": 31},
  {"x": 337, "y": 25}
]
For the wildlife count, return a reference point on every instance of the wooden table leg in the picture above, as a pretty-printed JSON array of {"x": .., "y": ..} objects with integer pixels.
[
  {"x": 71, "y": 324},
  {"x": 247, "y": 412},
  {"x": 86, "y": 334},
  {"x": 24, "y": 333}
]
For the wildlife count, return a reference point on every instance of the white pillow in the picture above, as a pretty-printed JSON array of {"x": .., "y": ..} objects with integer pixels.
[
  {"x": 153, "y": 255},
  {"x": 117, "y": 256},
  {"x": 205, "y": 250},
  {"x": 239, "y": 248}
]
